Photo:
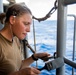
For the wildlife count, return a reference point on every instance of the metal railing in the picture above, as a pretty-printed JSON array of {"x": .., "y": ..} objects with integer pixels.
[
  {"x": 69, "y": 62},
  {"x": 61, "y": 31}
]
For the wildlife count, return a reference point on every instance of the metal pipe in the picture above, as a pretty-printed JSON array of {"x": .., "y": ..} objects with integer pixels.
[
  {"x": 25, "y": 49},
  {"x": 74, "y": 39},
  {"x": 25, "y": 43},
  {"x": 1, "y": 6},
  {"x": 67, "y": 2},
  {"x": 61, "y": 33},
  {"x": 71, "y": 63},
  {"x": 1, "y": 11}
]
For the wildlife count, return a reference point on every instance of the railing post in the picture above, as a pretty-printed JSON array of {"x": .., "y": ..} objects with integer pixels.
[
  {"x": 61, "y": 33},
  {"x": 74, "y": 40}
]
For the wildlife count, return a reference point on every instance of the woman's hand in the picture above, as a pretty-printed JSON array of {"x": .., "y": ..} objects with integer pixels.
[
  {"x": 42, "y": 56},
  {"x": 29, "y": 71},
  {"x": 26, "y": 71}
]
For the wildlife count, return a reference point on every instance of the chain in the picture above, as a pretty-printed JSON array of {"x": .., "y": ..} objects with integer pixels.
[{"x": 48, "y": 14}]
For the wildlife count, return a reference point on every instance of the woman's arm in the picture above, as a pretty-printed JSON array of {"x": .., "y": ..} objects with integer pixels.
[
  {"x": 26, "y": 71},
  {"x": 26, "y": 62},
  {"x": 33, "y": 58}
]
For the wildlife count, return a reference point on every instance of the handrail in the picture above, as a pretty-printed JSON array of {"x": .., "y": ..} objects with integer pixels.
[
  {"x": 69, "y": 62},
  {"x": 74, "y": 39},
  {"x": 67, "y": 2}
]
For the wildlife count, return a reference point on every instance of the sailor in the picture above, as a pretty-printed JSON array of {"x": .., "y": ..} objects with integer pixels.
[{"x": 17, "y": 22}]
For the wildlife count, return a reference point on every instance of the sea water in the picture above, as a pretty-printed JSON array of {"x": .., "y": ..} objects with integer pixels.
[{"x": 45, "y": 39}]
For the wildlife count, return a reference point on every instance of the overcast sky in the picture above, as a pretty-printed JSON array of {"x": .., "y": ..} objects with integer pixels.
[{"x": 40, "y": 8}]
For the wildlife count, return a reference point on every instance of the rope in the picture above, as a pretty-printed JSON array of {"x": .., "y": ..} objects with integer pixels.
[
  {"x": 48, "y": 14},
  {"x": 11, "y": 1},
  {"x": 42, "y": 19}
]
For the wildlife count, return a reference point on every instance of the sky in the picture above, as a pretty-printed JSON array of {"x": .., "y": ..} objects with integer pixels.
[{"x": 40, "y": 8}]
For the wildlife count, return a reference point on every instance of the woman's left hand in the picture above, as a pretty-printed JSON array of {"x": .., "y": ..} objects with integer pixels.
[{"x": 42, "y": 56}]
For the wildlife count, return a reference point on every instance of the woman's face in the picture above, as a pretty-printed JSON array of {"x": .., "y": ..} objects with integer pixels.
[{"x": 22, "y": 25}]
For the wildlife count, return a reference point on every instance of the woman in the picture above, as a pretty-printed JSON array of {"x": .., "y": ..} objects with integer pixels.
[{"x": 18, "y": 19}]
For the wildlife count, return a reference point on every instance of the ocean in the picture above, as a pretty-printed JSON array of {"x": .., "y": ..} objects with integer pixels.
[{"x": 45, "y": 38}]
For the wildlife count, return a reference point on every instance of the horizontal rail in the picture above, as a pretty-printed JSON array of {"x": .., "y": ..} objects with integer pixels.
[
  {"x": 67, "y": 2},
  {"x": 69, "y": 62}
]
